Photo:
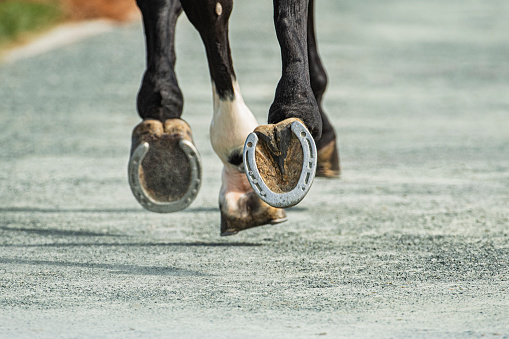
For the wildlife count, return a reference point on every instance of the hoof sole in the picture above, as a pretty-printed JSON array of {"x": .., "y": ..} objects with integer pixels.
[
  {"x": 276, "y": 197},
  {"x": 168, "y": 180}
]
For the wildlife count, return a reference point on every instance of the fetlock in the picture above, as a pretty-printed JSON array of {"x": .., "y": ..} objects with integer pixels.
[{"x": 159, "y": 97}]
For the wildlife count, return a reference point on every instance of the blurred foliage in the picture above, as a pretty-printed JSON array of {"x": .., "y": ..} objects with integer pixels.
[{"x": 19, "y": 16}]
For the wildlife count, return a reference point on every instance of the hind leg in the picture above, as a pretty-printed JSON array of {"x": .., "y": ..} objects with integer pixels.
[
  {"x": 231, "y": 122},
  {"x": 164, "y": 167},
  {"x": 328, "y": 157}
]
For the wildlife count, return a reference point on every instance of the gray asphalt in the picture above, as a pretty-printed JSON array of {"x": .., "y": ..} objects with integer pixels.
[{"x": 412, "y": 242}]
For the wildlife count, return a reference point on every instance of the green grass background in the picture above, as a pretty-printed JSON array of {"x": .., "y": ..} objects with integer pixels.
[{"x": 18, "y": 18}]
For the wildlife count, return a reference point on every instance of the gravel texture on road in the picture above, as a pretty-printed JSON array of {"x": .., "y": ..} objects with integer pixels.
[{"x": 413, "y": 241}]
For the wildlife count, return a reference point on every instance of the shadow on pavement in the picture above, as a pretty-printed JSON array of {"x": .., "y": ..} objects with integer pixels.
[
  {"x": 50, "y": 232},
  {"x": 97, "y": 210},
  {"x": 79, "y": 210},
  {"x": 201, "y": 209},
  {"x": 164, "y": 244},
  {"x": 115, "y": 268}
]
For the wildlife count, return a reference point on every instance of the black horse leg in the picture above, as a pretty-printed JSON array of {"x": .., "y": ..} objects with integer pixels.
[
  {"x": 328, "y": 157},
  {"x": 282, "y": 156},
  {"x": 211, "y": 18},
  {"x": 164, "y": 167},
  {"x": 159, "y": 96},
  {"x": 294, "y": 96}
]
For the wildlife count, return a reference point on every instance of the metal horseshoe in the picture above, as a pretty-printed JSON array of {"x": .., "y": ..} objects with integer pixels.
[
  {"x": 165, "y": 207},
  {"x": 307, "y": 174}
]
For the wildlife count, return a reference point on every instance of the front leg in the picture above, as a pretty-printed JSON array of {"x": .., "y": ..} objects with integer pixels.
[
  {"x": 281, "y": 157},
  {"x": 294, "y": 97},
  {"x": 160, "y": 97},
  {"x": 162, "y": 139}
]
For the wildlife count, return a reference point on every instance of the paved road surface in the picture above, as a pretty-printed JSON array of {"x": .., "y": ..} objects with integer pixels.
[{"x": 412, "y": 242}]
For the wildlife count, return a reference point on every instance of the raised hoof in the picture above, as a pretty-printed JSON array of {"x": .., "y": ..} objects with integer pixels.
[
  {"x": 240, "y": 207},
  {"x": 280, "y": 162},
  {"x": 248, "y": 213},
  {"x": 328, "y": 161},
  {"x": 164, "y": 167}
]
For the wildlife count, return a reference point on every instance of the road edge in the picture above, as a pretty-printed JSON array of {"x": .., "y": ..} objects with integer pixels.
[{"x": 61, "y": 35}]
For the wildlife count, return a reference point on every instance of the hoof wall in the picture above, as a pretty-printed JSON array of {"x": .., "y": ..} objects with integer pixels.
[
  {"x": 328, "y": 161},
  {"x": 258, "y": 214}
]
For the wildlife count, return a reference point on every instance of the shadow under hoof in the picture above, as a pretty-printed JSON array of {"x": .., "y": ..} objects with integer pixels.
[
  {"x": 165, "y": 167},
  {"x": 280, "y": 162}
]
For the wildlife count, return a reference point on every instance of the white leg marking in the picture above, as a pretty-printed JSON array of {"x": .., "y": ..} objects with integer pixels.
[
  {"x": 231, "y": 124},
  {"x": 219, "y": 9}
]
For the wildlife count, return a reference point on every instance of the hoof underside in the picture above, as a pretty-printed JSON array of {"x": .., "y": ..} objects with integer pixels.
[
  {"x": 165, "y": 167},
  {"x": 280, "y": 162}
]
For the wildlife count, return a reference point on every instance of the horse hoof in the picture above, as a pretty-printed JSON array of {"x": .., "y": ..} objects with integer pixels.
[
  {"x": 248, "y": 213},
  {"x": 165, "y": 167},
  {"x": 328, "y": 161},
  {"x": 280, "y": 162}
]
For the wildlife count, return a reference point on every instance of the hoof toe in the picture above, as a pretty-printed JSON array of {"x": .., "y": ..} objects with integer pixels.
[
  {"x": 228, "y": 233},
  {"x": 278, "y": 221},
  {"x": 165, "y": 167}
]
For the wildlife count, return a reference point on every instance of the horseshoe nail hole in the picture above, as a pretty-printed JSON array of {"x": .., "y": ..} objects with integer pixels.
[
  {"x": 258, "y": 187},
  {"x": 303, "y": 188},
  {"x": 250, "y": 144},
  {"x": 303, "y": 134}
]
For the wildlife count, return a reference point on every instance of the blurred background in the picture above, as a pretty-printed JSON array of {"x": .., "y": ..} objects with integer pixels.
[{"x": 21, "y": 19}]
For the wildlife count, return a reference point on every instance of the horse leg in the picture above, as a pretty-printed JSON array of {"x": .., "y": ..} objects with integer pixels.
[
  {"x": 281, "y": 157},
  {"x": 162, "y": 139},
  {"x": 232, "y": 120},
  {"x": 328, "y": 157}
]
